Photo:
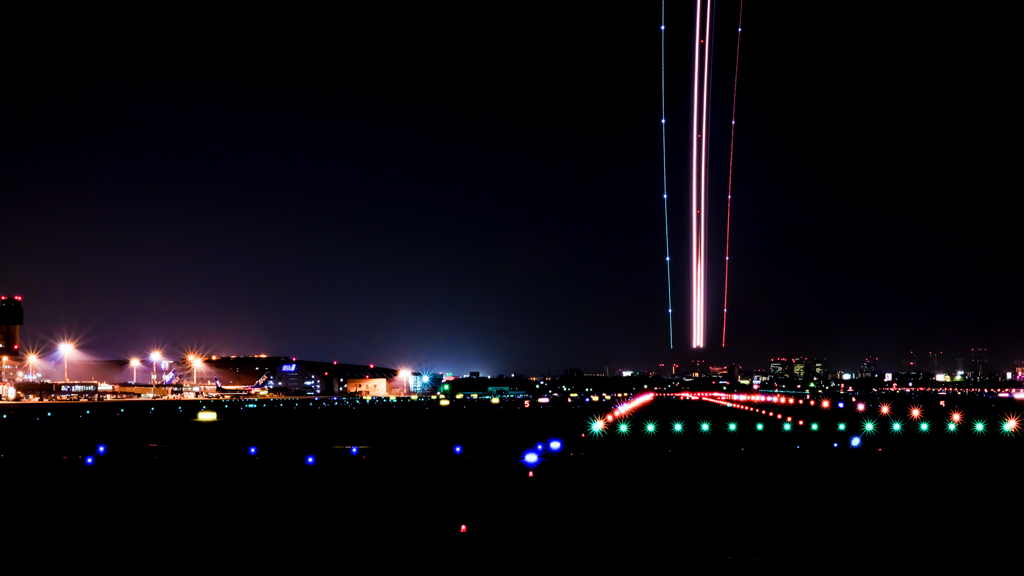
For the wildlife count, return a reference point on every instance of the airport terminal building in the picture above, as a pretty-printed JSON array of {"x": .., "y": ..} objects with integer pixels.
[{"x": 294, "y": 377}]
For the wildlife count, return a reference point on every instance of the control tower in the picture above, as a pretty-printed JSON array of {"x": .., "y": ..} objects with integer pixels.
[{"x": 12, "y": 318}]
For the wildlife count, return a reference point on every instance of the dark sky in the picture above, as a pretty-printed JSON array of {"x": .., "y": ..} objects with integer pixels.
[{"x": 463, "y": 189}]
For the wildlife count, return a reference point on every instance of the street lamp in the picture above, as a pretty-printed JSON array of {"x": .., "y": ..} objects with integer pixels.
[
  {"x": 154, "y": 356},
  {"x": 65, "y": 349},
  {"x": 135, "y": 362},
  {"x": 32, "y": 364},
  {"x": 196, "y": 362}
]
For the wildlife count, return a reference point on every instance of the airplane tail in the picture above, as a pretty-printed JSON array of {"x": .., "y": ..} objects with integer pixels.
[
  {"x": 262, "y": 382},
  {"x": 169, "y": 378}
]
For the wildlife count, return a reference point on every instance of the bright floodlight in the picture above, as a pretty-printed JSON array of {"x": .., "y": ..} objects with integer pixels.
[
  {"x": 404, "y": 374},
  {"x": 155, "y": 355},
  {"x": 66, "y": 348},
  {"x": 135, "y": 362},
  {"x": 32, "y": 357},
  {"x": 195, "y": 360}
]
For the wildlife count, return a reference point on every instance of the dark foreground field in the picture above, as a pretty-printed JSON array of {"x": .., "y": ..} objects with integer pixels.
[{"x": 166, "y": 479}]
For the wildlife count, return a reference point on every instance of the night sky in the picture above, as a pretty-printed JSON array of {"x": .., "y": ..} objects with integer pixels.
[{"x": 455, "y": 189}]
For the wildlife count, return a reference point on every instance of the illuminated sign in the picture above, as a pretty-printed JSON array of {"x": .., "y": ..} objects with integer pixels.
[{"x": 288, "y": 368}]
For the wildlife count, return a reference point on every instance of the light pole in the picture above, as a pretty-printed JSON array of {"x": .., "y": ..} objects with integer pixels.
[
  {"x": 4, "y": 376},
  {"x": 135, "y": 369},
  {"x": 154, "y": 356},
  {"x": 196, "y": 362},
  {"x": 65, "y": 349},
  {"x": 32, "y": 365}
]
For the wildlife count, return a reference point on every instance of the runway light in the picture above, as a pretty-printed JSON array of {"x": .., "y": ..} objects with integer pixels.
[
  {"x": 252, "y": 450},
  {"x": 951, "y": 427},
  {"x": 855, "y": 442},
  {"x": 861, "y": 407},
  {"x": 869, "y": 426},
  {"x": 650, "y": 428},
  {"x": 814, "y": 426},
  {"x": 624, "y": 428},
  {"x": 915, "y": 412},
  {"x": 883, "y": 409},
  {"x": 354, "y": 450},
  {"x": 787, "y": 427},
  {"x": 207, "y": 416},
  {"x": 88, "y": 460},
  {"x": 705, "y": 427},
  {"x": 956, "y": 416},
  {"x": 1011, "y": 424},
  {"x": 101, "y": 449},
  {"x": 732, "y": 426},
  {"x": 923, "y": 427},
  {"x": 897, "y": 427},
  {"x": 458, "y": 449},
  {"x": 555, "y": 445},
  {"x": 530, "y": 458},
  {"x": 979, "y": 426},
  {"x": 840, "y": 404},
  {"x": 760, "y": 426},
  {"x": 310, "y": 460},
  {"x": 826, "y": 404},
  {"x": 597, "y": 427}
]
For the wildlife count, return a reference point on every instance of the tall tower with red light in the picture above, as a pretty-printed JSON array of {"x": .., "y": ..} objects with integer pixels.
[{"x": 12, "y": 317}]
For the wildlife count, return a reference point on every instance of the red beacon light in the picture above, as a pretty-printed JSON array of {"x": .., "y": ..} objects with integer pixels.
[{"x": 18, "y": 298}]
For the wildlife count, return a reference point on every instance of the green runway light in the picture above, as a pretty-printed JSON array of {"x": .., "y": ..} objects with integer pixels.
[
  {"x": 705, "y": 427},
  {"x": 842, "y": 426},
  {"x": 732, "y": 426},
  {"x": 597, "y": 427},
  {"x": 677, "y": 427},
  {"x": 650, "y": 428},
  {"x": 951, "y": 427},
  {"x": 923, "y": 427},
  {"x": 897, "y": 427},
  {"x": 869, "y": 426},
  {"x": 814, "y": 426},
  {"x": 787, "y": 427},
  {"x": 624, "y": 428},
  {"x": 979, "y": 426},
  {"x": 760, "y": 426}
]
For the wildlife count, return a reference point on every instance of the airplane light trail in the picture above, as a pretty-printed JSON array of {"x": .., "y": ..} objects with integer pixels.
[
  {"x": 732, "y": 140},
  {"x": 664, "y": 176},
  {"x": 698, "y": 192}
]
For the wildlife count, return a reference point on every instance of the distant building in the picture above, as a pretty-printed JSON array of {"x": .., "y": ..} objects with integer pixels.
[
  {"x": 12, "y": 318},
  {"x": 979, "y": 359},
  {"x": 781, "y": 367},
  {"x": 801, "y": 367},
  {"x": 868, "y": 368},
  {"x": 820, "y": 368}
]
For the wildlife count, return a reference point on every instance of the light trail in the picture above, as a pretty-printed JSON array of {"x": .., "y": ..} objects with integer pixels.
[
  {"x": 699, "y": 185},
  {"x": 664, "y": 176},
  {"x": 732, "y": 140},
  {"x": 693, "y": 189}
]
